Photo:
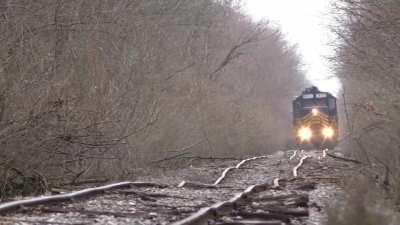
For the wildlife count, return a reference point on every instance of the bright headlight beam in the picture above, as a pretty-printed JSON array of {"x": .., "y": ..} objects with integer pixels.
[
  {"x": 328, "y": 132},
  {"x": 305, "y": 133},
  {"x": 315, "y": 112}
]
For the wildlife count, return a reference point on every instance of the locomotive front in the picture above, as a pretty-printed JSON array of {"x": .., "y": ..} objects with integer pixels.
[{"x": 315, "y": 119}]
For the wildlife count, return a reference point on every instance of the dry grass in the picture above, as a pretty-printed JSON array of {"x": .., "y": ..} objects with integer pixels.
[{"x": 363, "y": 205}]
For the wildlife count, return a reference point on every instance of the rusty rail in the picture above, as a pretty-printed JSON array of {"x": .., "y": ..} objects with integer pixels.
[
  {"x": 299, "y": 165},
  {"x": 202, "y": 216},
  {"x": 223, "y": 175},
  {"x": 73, "y": 195},
  {"x": 222, "y": 208}
]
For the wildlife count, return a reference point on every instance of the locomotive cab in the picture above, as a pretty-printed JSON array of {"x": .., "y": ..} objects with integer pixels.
[{"x": 315, "y": 119}]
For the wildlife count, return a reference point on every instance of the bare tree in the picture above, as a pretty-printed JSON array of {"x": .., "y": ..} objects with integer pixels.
[
  {"x": 368, "y": 63},
  {"x": 96, "y": 89}
]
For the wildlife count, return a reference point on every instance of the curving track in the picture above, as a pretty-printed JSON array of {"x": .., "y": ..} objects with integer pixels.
[{"x": 284, "y": 188}]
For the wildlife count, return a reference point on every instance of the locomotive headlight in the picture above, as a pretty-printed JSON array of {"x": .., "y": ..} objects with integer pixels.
[
  {"x": 305, "y": 133},
  {"x": 315, "y": 112},
  {"x": 328, "y": 132}
]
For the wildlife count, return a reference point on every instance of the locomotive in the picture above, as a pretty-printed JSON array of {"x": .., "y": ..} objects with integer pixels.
[{"x": 315, "y": 119}]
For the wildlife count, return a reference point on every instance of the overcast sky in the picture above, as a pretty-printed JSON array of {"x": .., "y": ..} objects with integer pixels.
[{"x": 304, "y": 23}]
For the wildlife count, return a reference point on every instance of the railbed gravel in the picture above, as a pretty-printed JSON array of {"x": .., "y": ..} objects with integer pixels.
[{"x": 144, "y": 206}]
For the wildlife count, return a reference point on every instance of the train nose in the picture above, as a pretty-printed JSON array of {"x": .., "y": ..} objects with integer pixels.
[
  {"x": 317, "y": 136},
  {"x": 316, "y": 130}
]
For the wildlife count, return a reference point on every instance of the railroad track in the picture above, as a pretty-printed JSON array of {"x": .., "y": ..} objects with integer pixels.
[{"x": 284, "y": 188}]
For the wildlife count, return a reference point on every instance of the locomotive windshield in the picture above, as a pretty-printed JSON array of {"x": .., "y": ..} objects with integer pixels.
[
  {"x": 323, "y": 101},
  {"x": 313, "y": 103}
]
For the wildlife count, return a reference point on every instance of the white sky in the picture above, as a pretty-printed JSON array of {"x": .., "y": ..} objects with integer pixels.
[{"x": 304, "y": 23}]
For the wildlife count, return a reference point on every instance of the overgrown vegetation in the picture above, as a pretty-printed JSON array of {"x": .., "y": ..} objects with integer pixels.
[
  {"x": 368, "y": 63},
  {"x": 97, "y": 89}
]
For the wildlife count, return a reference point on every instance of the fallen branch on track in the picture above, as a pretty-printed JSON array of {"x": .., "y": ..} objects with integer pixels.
[
  {"x": 296, "y": 212},
  {"x": 298, "y": 202},
  {"x": 182, "y": 152},
  {"x": 73, "y": 195},
  {"x": 82, "y": 182},
  {"x": 343, "y": 158},
  {"x": 92, "y": 212},
  {"x": 171, "y": 157},
  {"x": 147, "y": 194},
  {"x": 307, "y": 186},
  {"x": 25, "y": 221},
  {"x": 265, "y": 216},
  {"x": 141, "y": 195}
]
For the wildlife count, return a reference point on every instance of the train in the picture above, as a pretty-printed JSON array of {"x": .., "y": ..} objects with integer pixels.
[{"x": 315, "y": 120}]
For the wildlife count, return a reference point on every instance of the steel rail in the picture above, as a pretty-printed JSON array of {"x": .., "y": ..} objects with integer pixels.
[
  {"x": 224, "y": 173},
  {"x": 324, "y": 152},
  {"x": 72, "y": 195},
  {"x": 222, "y": 208},
  {"x": 299, "y": 165},
  {"x": 294, "y": 155},
  {"x": 202, "y": 216}
]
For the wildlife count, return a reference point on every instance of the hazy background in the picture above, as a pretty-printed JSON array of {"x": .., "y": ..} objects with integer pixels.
[{"x": 305, "y": 24}]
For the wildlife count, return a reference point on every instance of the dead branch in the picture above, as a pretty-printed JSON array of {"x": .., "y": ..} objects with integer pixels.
[
  {"x": 183, "y": 151},
  {"x": 83, "y": 182},
  {"x": 91, "y": 212},
  {"x": 343, "y": 158}
]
